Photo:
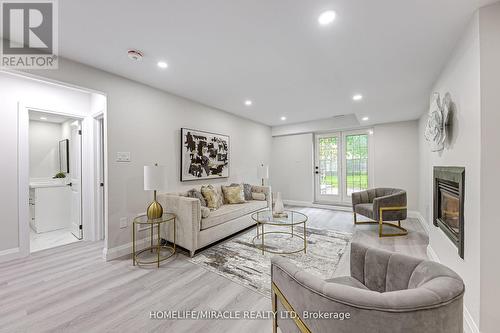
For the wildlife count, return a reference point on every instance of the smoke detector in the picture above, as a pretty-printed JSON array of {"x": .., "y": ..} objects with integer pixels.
[{"x": 135, "y": 55}]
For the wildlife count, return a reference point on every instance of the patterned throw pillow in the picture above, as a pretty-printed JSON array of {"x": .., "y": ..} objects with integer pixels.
[
  {"x": 247, "y": 189},
  {"x": 197, "y": 195},
  {"x": 258, "y": 196},
  {"x": 233, "y": 194},
  {"x": 210, "y": 194}
]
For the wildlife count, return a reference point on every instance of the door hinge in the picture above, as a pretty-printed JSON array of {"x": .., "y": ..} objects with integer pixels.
[
  {"x": 80, "y": 227},
  {"x": 80, "y": 132},
  {"x": 102, "y": 184}
]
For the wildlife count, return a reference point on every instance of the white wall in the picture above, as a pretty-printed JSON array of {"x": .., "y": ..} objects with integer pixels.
[
  {"x": 395, "y": 158},
  {"x": 461, "y": 78},
  {"x": 490, "y": 166},
  {"x": 395, "y": 162},
  {"x": 292, "y": 167},
  {"x": 44, "y": 140},
  {"x": 35, "y": 94},
  {"x": 146, "y": 122}
]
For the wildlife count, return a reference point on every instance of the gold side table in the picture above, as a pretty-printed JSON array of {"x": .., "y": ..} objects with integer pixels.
[{"x": 143, "y": 220}]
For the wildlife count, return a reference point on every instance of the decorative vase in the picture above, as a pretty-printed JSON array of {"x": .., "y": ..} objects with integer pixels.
[{"x": 278, "y": 205}]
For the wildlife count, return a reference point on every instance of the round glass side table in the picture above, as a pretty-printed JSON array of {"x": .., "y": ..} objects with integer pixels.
[
  {"x": 287, "y": 221},
  {"x": 155, "y": 250}
]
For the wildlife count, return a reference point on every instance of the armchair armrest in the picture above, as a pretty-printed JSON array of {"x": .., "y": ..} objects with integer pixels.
[
  {"x": 394, "y": 204},
  {"x": 188, "y": 221}
]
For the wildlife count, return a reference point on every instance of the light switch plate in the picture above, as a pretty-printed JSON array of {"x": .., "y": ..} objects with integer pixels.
[
  {"x": 123, "y": 222},
  {"x": 123, "y": 156}
]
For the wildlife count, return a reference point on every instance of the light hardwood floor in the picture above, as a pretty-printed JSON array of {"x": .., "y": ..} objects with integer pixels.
[{"x": 71, "y": 289}]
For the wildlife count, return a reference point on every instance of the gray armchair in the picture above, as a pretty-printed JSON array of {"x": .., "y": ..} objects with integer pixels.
[
  {"x": 381, "y": 205},
  {"x": 386, "y": 292}
]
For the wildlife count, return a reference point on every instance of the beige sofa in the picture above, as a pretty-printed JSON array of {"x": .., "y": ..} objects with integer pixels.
[{"x": 194, "y": 232}]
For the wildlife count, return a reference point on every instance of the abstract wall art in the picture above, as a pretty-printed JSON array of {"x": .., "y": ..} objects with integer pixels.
[{"x": 204, "y": 155}]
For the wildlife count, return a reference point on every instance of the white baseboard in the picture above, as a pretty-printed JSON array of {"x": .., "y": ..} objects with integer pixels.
[
  {"x": 10, "y": 254},
  {"x": 469, "y": 323},
  {"x": 317, "y": 205},
  {"x": 123, "y": 250},
  {"x": 416, "y": 215}
]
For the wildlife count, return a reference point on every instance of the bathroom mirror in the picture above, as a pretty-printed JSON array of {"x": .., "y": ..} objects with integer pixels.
[{"x": 64, "y": 155}]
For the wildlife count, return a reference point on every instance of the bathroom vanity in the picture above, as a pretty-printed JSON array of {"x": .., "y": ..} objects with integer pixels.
[{"x": 50, "y": 205}]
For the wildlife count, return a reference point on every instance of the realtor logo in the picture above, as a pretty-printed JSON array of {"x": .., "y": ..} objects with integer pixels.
[{"x": 29, "y": 34}]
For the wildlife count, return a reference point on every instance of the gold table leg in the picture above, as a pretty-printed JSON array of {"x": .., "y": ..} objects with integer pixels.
[
  {"x": 151, "y": 230},
  {"x": 262, "y": 238},
  {"x": 158, "y": 245},
  {"x": 174, "y": 234},
  {"x": 133, "y": 244},
  {"x": 305, "y": 242},
  {"x": 275, "y": 311}
]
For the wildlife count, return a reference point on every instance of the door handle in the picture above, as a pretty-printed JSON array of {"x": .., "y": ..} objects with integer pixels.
[{"x": 70, "y": 184}]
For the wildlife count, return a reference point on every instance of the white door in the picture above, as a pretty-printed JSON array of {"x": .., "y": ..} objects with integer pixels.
[
  {"x": 100, "y": 172},
  {"x": 75, "y": 171},
  {"x": 327, "y": 169}
]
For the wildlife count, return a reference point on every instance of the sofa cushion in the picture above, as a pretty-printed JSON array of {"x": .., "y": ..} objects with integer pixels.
[
  {"x": 211, "y": 195},
  {"x": 230, "y": 212},
  {"x": 247, "y": 190},
  {"x": 233, "y": 194},
  {"x": 205, "y": 212},
  {"x": 347, "y": 281},
  {"x": 197, "y": 194},
  {"x": 365, "y": 209},
  {"x": 258, "y": 196}
]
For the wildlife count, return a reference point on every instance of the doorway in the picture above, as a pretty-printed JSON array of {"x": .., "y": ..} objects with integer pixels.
[
  {"x": 55, "y": 164},
  {"x": 342, "y": 165}
]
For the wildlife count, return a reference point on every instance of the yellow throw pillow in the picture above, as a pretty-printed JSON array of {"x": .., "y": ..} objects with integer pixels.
[
  {"x": 233, "y": 194},
  {"x": 210, "y": 194}
]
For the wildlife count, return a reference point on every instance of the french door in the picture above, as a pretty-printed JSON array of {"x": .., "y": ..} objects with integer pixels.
[{"x": 342, "y": 165}]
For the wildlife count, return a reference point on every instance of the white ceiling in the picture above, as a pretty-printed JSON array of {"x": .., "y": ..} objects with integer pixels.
[{"x": 222, "y": 52}]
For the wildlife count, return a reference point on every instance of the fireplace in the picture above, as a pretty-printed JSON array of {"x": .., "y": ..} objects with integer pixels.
[{"x": 449, "y": 186}]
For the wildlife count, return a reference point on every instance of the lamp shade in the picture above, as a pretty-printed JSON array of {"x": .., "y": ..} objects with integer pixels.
[
  {"x": 263, "y": 171},
  {"x": 155, "y": 178}
]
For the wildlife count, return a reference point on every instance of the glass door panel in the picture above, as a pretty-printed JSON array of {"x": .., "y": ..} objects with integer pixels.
[
  {"x": 327, "y": 168},
  {"x": 356, "y": 164}
]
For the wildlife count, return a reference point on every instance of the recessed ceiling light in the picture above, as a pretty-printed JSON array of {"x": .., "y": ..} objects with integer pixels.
[
  {"x": 365, "y": 118},
  {"x": 357, "y": 97},
  {"x": 43, "y": 118},
  {"x": 248, "y": 102},
  {"x": 162, "y": 64},
  {"x": 327, "y": 17},
  {"x": 283, "y": 118}
]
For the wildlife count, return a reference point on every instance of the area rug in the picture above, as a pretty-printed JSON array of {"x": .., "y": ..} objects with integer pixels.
[{"x": 240, "y": 261}]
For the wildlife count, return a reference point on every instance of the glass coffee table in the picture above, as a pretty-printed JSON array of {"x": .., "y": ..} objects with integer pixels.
[{"x": 287, "y": 221}]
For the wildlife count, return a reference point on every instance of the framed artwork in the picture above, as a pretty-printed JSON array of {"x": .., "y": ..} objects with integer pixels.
[{"x": 204, "y": 155}]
